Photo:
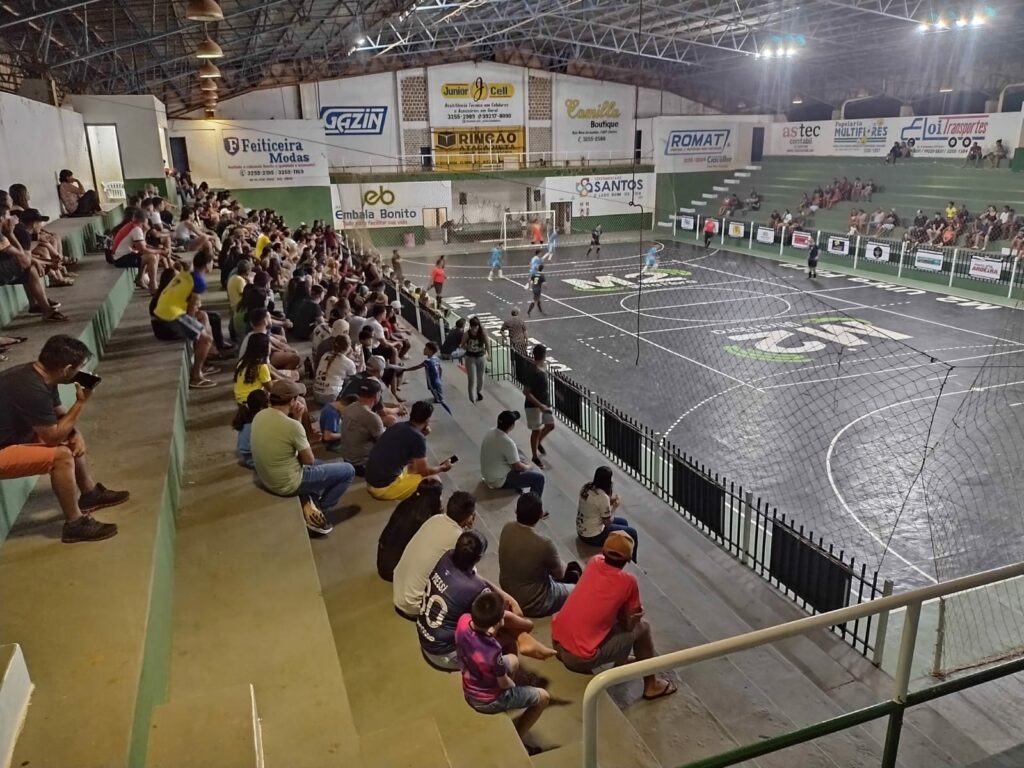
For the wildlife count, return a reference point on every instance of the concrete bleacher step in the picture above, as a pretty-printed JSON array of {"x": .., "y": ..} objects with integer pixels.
[
  {"x": 248, "y": 606},
  {"x": 708, "y": 196},
  {"x": 751, "y": 168},
  {"x": 687, "y": 210},
  {"x": 698, "y": 202},
  {"x": 413, "y": 744},
  {"x": 97, "y": 666},
  {"x": 721, "y": 189},
  {"x": 15, "y": 693},
  {"x": 741, "y": 175},
  {"x": 216, "y": 729},
  {"x": 725, "y": 703},
  {"x": 733, "y": 181}
]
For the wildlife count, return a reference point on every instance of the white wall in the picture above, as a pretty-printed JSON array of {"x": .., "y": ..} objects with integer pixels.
[
  {"x": 487, "y": 200},
  {"x": 138, "y": 120},
  {"x": 359, "y": 117},
  {"x": 36, "y": 141},
  {"x": 106, "y": 157},
  {"x": 280, "y": 103},
  {"x": 252, "y": 154}
]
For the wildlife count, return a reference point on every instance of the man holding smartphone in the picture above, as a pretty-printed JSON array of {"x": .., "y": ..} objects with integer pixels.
[
  {"x": 39, "y": 437},
  {"x": 398, "y": 460}
]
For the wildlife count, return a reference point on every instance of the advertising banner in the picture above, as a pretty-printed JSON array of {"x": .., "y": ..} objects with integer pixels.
[
  {"x": 937, "y": 136},
  {"x": 985, "y": 268},
  {"x": 928, "y": 260},
  {"x": 359, "y": 116},
  {"x": 877, "y": 251},
  {"x": 463, "y": 147},
  {"x": 765, "y": 235},
  {"x": 592, "y": 116},
  {"x": 686, "y": 222},
  {"x": 484, "y": 94},
  {"x": 388, "y": 205},
  {"x": 287, "y": 153},
  {"x": 736, "y": 229},
  {"x": 840, "y": 246},
  {"x": 802, "y": 240},
  {"x": 602, "y": 195},
  {"x": 684, "y": 145}
]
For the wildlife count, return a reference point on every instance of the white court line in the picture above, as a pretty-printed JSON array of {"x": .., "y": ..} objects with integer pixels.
[
  {"x": 842, "y": 500},
  {"x": 898, "y": 368},
  {"x": 646, "y": 341},
  {"x": 633, "y": 291}
]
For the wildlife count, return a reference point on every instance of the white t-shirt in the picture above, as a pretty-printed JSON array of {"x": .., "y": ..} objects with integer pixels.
[
  {"x": 433, "y": 539},
  {"x": 125, "y": 246},
  {"x": 498, "y": 452},
  {"x": 331, "y": 374},
  {"x": 321, "y": 332},
  {"x": 377, "y": 328},
  {"x": 182, "y": 231},
  {"x": 155, "y": 220},
  {"x": 593, "y": 512}
]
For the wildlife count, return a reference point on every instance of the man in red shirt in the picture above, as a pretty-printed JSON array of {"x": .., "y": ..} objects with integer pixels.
[{"x": 602, "y": 620}]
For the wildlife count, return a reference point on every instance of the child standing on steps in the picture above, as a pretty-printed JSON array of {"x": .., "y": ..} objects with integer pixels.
[{"x": 431, "y": 366}]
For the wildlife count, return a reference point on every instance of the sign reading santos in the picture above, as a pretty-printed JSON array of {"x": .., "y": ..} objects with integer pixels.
[{"x": 602, "y": 195}]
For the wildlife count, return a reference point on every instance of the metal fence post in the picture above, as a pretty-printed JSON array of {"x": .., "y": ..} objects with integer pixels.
[
  {"x": 952, "y": 268},
  {"x": 748, "y": 525},
  {"x": 1013, "y": 275},
  {"x": 856, "y": 253},
  {"x": 901, "y": 684},
  {"x": 882, "y": 628},
  {"x": 782, "y": 240},
  {"x": 940, "y": 638},
  {"x": 903, "y": 252},
  {"x": 750, "y": 239}
]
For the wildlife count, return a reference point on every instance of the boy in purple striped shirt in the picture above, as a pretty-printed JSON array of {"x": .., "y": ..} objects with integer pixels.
[{"x": 487, "y": 673}]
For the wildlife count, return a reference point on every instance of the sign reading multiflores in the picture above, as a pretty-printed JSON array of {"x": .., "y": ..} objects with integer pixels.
[
  {"x": 248, "y": 154},
  {"x": 388, "y": 205}
]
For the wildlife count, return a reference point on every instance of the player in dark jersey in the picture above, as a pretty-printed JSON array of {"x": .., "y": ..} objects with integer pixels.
[
  {"x": 595, "y": 240},
  {"x": 537, "y": 285}
]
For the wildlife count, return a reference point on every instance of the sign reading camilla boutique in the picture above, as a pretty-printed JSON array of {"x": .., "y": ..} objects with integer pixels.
[{"x": 593, "y": 123}]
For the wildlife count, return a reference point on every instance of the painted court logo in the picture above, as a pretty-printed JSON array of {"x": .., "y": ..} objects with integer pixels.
[
  {"x": 789, "y": 342},
  {"x": 608, "y": 283}
]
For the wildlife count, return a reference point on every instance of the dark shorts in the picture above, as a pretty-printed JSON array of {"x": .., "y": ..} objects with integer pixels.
[
  {"x": 11, "y": 272},
  {"x": 129, "y": 260},
  {"x": 614, "y": 649},
  {"x": 168, "y": 331}
]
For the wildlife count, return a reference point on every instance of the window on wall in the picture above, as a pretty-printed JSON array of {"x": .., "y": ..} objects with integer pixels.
[{"x": 105, "y": 157}]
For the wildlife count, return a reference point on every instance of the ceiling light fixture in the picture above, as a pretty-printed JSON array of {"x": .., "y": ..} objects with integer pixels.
[
  {"x": 923, "y": 27},
  {"x": 961, "y": 22},
  {"x": 791, "y": 51},
  {"x": 798, "y": 100},
  {"x": 978, "y": 20},
  {"x": 203, "y": 10},
  {"x": 209, "y": 85},
  {"x": 209, "y": 69},
  {"x": 208, "y": 49},
  {"x": 947, "y": 89}
]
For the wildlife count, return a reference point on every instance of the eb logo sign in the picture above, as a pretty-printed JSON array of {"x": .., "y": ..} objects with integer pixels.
[{"x": 379, "y": 196}]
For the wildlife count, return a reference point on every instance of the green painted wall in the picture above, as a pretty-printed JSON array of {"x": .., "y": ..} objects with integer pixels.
[
  {"x": 296, "y": 204},
  {"x": 675, "y": 190},
  {"x": 619, "y": 222},
  {"x": 156, "y": 655}
]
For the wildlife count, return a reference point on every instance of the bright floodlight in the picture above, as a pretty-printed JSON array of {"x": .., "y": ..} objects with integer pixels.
[
  {"x": 791, "y": 51},
  {"x": 941, "y": 24},
  {"x": 780, "y": 51},
  {"x": 360, "y": 41},
  {"x": 768, "y": 53},
  {"x": 961, "y": 22},
  {"x": 923, "y": 27},
  {"x": 977, "y": 21}
]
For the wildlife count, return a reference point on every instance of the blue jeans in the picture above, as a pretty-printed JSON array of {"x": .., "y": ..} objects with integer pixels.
[
  {"x": 617, "y": 524},
  {"x": 531, "y": 479},
  {"x": 326, "y": 482}
]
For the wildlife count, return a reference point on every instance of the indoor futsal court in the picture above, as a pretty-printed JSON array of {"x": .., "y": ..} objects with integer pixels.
[{"x": 844, "y": 401}]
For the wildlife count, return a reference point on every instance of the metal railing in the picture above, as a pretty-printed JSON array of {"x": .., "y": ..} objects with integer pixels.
[
  {"x": 493, "y": 160},
  {"x": 949, "y": 265},
  {"x": 893, "y": 708},
  {"x": 804, "y": 568}
]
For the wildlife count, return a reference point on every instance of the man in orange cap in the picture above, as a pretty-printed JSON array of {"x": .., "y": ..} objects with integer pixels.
[{"x": 602, "y": 621}]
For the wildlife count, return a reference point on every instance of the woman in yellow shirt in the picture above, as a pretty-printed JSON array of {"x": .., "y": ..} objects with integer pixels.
[{"x": 253, "y": 369}]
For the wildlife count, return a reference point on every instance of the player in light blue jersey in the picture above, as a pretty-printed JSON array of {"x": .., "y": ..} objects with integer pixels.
[
  {"x": 535, "y": 264},
  {"x": 650, "y": 260},
  {"x": 552, "y": 242},
  {"x": 496, "y": 257}
]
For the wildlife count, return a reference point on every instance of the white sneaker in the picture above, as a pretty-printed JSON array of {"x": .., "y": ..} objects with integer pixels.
[
  {"x": 490, "y": 278},
  {"x": 315, "y": 520}
]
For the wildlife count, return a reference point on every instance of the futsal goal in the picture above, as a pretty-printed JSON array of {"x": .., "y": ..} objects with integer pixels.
[{"x": 527, "y": 229}]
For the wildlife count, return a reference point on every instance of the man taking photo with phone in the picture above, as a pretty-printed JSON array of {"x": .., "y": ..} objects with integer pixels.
[{"x": 39, "y": 437}]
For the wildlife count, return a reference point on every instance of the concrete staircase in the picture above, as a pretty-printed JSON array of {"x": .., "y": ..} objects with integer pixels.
[{"x": 708, "y": 202}]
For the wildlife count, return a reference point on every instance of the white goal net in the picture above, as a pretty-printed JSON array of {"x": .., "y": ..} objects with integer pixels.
[{"x": 527, "y": 229}]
